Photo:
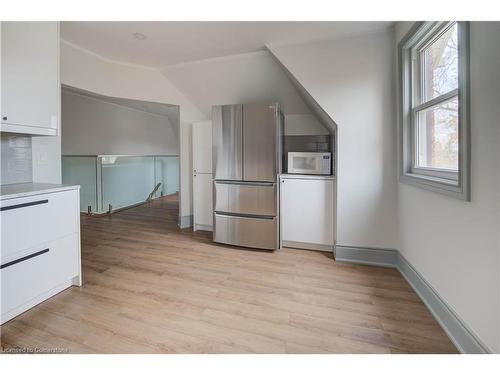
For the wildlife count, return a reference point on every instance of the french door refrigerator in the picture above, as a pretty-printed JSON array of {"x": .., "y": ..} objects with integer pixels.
[{"x": 246, "y": 163}]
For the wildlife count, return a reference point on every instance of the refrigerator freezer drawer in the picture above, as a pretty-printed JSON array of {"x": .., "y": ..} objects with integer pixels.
[
  {"x": 246, "y": 231},
  {"x": 246, "y": 198}
]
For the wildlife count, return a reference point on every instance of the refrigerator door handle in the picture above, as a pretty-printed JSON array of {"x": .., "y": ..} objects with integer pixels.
[
  {"x": 249, "y": 183},
  {"x": 249, "y": 216}
]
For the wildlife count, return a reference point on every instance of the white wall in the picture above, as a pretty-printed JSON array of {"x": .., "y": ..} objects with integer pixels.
[
  {"x": 455, "y": 244},
  {"x": 93, "y": 126},
  {"x": 304, "y": 125},
  {"x": 87, "y": 71},
  {"x": 352, "y": 79},
  {"x": 246, "y": 78},
  {"x": 46, "y": 154}
]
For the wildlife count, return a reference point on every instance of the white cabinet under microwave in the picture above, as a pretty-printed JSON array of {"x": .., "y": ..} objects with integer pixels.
[{"x": 319, "y": 163}]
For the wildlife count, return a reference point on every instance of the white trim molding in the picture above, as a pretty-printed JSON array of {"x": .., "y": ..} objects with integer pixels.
[
  {"x": 185, "y": 221},
  {"x": 464, "y": 339},
  {"x": 308, "y": 246},
  {"x": 368, "y": 256},
  {"x": 207, "y": 228}
]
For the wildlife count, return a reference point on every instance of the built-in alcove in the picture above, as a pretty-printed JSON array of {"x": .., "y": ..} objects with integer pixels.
[{"x": 305, "y": 133}]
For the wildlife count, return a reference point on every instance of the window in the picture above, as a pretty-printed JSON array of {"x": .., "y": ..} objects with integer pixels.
[{"x": 434, "y": 108}]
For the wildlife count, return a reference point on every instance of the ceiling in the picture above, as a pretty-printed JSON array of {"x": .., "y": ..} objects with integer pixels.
[
  {"x": 170, "y": 43},
  {"x": 168, "y": 110},
  {"x": 254, "y": 77}
]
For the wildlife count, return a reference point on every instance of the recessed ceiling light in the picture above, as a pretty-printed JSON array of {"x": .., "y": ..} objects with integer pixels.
[{"x": 139, "y": 36}]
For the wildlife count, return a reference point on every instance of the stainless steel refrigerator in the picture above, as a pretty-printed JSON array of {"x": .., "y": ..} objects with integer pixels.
[{"x": 246, "y": 163}]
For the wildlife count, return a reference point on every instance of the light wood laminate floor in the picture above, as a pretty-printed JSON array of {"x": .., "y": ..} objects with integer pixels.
[{"x": 150, "y": 287}]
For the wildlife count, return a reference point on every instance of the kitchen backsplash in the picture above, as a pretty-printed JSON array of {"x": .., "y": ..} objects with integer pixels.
[{"x": 16, "y": 159}]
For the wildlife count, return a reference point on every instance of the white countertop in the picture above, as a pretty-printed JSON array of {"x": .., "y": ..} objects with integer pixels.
[
  {"x": 307, "y": 176},
  {"x": 28, "y": 189}
]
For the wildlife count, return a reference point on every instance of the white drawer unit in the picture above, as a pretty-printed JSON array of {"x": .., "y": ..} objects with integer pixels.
[
  {"x": 46, "y": 267},
  {"x": 40, "y": 248},
  {"x": 31, "y": 220}
]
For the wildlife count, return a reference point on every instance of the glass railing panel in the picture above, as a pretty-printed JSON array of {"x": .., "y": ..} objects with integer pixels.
[
  {"x": 82, "y": 170},
  {"x": 167, "y": 173},
  {"x": 126, "y": 180}
]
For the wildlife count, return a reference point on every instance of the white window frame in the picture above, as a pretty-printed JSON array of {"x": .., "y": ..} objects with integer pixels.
[{"x": 452, "y": 183}]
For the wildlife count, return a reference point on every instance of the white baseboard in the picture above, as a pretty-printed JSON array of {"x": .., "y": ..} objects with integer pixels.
[
  {"x": 458, "y": 332},
  {"x": 368, "y": 256},
  {"x": 185, "y": 221},
  {"x": 208, "y": 228},
  {"x": 35, "y": 301},
  {"x": 307, "y": 246}
]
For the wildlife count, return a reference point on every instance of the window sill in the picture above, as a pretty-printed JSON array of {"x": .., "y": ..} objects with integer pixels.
[{"x": 444, "y": 186}]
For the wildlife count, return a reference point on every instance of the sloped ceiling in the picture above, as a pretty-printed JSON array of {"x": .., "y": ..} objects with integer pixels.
[
  {"x": 251, "y": 73},
  {"x": 339, "y": 78},
  {"x": 216, "y": 62},
  {"x": 321, "y": 115},
  {"x": 254, "y": 77},
  {"x": 167, "y": 110}
]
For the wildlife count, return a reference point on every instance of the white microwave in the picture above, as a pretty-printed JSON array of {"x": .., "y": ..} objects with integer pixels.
[{"x": 310, "y": 163}]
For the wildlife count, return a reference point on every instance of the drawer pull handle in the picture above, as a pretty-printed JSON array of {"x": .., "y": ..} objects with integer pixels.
[
  {"x": 13, "y": 207},
  {"x": 243, "y": 216},
  {"x": 244, "y": 183},
  {"x": 8, "y": 264}
]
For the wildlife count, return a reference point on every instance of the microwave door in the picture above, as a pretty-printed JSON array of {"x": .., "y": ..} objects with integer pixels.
[
  {"x": 305, "y": 164},
  {"x": 309, "y": 163}
]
